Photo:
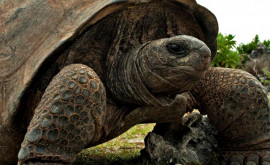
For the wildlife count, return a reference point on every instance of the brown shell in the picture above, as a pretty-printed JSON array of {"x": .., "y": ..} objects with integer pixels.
[{"x": 32, "y": 30}]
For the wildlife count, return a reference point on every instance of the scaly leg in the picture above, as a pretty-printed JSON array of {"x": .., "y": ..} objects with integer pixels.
[
  {"x": 238, "y": 106},
  {"x": 68, "y": 118}
]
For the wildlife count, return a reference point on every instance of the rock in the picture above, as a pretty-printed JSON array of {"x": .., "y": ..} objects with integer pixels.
[
  {"x": 259, "y": 64},
  {"x": 259, "y": 52},
  {"x": 192, "y": 141}
]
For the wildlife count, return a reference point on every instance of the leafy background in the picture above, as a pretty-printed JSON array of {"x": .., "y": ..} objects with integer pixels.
[{"x": 231, "y": 55}]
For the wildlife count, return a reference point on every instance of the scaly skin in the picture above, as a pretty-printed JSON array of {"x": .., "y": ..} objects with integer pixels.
[
  {"x": 69, "y": 117},
  {"x": 238, "y": 106},
  {"x": 73, "y": 114}
]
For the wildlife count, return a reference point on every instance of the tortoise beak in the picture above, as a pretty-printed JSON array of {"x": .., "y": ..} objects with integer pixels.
[{"x": 204, "y": 61}]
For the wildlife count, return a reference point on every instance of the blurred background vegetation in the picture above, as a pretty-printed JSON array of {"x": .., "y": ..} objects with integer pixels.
[
  {"x": 231, "y": 55},
  {"x": 253, "y": 57}
]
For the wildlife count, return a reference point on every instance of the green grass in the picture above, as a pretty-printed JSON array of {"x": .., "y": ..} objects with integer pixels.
[{"x": 123, "y": 150}]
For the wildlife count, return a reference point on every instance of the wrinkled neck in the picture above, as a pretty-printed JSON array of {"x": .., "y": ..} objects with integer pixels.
[{"x": 125, "y": 82}]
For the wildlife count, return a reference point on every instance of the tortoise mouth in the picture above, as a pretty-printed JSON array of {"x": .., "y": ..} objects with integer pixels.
[
  {"x": 177, "y": 71},
  {"x": 190, "y": 69},
  {"x": 173, "y": 80}
]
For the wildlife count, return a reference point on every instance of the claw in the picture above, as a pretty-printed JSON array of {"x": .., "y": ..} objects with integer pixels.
[
  {"x": 237, "y": 160},
  {"x": 222, "y": 163},
  {"x": 252, "y": 159},
  {"x": 245, "y": 158},
  {"x": 235, "y": 163},
  {"x": 265, "y": 163},
  {"x": 266, "y": 160},
  {"x": 251, "y": 163}
]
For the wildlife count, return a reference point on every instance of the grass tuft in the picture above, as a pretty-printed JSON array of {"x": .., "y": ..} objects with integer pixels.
[{"x": 123, "y": 150}]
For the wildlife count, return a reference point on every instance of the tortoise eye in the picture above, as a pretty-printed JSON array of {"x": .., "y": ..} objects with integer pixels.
[{"x": 177, "y": 49}]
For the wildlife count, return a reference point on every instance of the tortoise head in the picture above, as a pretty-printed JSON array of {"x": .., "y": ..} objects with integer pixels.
[
  {"x": 159, "y": 69},
  {"x": 173, "y": 65}
]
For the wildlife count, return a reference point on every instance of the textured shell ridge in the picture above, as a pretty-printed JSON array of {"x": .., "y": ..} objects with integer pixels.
[{"x": 27, "y": 41}]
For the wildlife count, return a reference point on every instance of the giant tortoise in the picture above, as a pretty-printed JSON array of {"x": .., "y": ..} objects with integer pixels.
[{"x": 75, "y": 74}]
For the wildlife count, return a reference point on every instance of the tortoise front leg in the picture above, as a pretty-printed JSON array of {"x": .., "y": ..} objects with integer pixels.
[
  {"x": 173, "y": 112},
  {"x": 68, "y": 118},
  {"x": 120, "y": 119},
  {"x": 237, "y": 104}
]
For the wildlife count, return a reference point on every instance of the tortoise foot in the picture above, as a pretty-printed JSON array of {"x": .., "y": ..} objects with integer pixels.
[
  {"x": 245, "y": 158},
  {"x": 68, "y": 118}
]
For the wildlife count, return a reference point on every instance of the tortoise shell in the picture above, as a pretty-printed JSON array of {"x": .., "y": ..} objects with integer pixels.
[{"x": 33, "y": 31}]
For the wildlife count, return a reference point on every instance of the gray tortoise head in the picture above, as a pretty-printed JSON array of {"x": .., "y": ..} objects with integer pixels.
[
  {"x": 159, "y": 68},
  {"x": 173, "y": 65}
]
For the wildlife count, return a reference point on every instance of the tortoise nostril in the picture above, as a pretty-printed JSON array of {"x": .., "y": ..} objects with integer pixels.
[
  {"x": 206, "y": 58},
  {"x": 205, "y": 52},
  {"x": 206, "y": 55}
]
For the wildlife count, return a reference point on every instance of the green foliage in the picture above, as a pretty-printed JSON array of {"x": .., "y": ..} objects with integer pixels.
[
  {"x": 226, "y": 56},
  {"x": 267, "y": 43},
  {"x": 231, "y": 56},
  {"x": 247, "y": 48},
  {"x": 267, "y": 73}
]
